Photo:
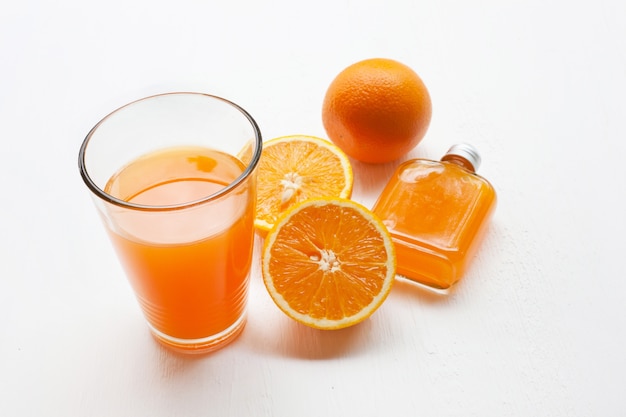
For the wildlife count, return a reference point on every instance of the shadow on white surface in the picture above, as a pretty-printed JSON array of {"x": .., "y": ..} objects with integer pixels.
[
  {"x": 421, "y": 293},
  {"x": 290, "y": 339}
]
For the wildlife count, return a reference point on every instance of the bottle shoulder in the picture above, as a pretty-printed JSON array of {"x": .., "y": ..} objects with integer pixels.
[{"x": 416, "y": 170}]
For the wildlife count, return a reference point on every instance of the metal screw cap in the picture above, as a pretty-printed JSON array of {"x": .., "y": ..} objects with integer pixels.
[{"x": 467, "y": 152}]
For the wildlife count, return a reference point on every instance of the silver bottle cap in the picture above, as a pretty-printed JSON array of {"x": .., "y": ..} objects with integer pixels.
[{"x": 466, "y": 151}]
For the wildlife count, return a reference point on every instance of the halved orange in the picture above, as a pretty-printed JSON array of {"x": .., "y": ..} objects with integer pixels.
[
  {"x": 328, "y": 263},
  {"x": 296, "y": 168}
]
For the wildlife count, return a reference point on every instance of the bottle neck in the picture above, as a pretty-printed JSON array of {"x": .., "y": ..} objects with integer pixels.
[
  {"x": 460, "y": 161},
  {"x": 464, "y": 155}
]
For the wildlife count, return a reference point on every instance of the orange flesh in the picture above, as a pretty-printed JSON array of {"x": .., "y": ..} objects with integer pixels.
[
  {"x": 324, "y": 292},
  {"x": 317, "y": 170},
  {"x": 436, "y": 213},
  {"x": 191, "y": 288}
]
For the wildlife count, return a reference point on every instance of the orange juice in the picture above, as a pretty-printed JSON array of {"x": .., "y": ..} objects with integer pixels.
[
  {"x": 188, "y": 266},
  {"x": 437, "y": 212}
]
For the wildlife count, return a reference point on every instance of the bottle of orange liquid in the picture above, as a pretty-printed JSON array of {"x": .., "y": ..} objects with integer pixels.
[{"x": 437, "y": 213}]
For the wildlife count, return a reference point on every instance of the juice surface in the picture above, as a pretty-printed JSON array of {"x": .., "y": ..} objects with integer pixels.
[
  {"x": 436, "y": 213},
  {"x": 189, "y": 268}
]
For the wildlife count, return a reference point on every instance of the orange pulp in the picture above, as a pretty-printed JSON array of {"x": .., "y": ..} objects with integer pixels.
[{"x": 189, "y": 268}]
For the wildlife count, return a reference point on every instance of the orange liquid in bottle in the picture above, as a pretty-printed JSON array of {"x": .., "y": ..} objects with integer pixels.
[
  {"x": 189, "y": 268},
  {"x": 437, "y": 213}
]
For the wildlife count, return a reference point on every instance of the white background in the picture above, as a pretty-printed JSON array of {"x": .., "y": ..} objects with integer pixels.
[{"x": 536, "y": 328}]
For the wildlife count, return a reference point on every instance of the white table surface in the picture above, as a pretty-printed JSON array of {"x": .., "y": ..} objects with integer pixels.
[{"x": 536, "y": 328}]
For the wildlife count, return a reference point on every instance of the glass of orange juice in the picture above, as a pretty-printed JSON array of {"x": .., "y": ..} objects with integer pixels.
[{"x": 173, "y": 179}]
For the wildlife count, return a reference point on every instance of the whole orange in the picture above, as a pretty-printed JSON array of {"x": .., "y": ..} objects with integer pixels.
[{"x": 376, "y": 110}]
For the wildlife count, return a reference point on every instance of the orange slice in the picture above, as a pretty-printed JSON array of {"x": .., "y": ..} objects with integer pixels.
[
  {"x": 328, "y": 263},
  {"x": 296, "y": 168}
]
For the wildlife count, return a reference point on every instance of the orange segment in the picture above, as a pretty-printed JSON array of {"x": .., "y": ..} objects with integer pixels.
[
  {"x": 296, "y": 168},
  {"x": 328, "y": 263}
]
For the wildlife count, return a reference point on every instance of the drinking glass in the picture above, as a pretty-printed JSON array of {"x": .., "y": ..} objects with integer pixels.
[{"x": 173, "y": 179}]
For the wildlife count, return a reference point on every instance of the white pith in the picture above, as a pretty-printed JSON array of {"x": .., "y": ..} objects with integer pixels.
[{"x": 291, "y": 184}]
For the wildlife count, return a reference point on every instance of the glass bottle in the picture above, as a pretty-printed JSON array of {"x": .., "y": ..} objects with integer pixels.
[{"x": 437, "y": 213}]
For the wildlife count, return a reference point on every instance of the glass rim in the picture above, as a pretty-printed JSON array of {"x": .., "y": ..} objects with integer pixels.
[{"x": 96, "y": 190}]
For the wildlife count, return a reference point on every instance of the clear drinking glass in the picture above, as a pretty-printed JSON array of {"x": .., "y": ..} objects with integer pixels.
[{"x": 173, "y": 179}]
